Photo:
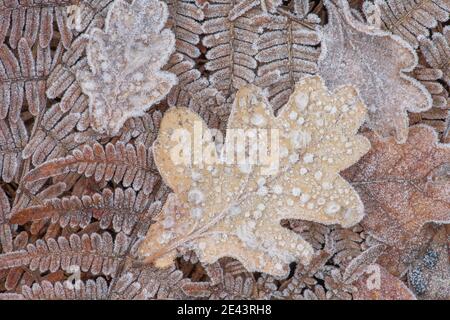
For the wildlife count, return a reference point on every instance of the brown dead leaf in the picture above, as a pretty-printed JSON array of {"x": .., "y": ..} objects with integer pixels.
[
  {"x": 378, "y": 284},
  {"x": 398, "y": 260},
  {"x": 375, "y": 62},
  {"x": 403, "y": 186},
  {"x": 234, "y": 208},
  {"x": 429, "y": 276}
]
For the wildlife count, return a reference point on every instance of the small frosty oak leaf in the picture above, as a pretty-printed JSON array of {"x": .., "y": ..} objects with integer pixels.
[
  {"x": 375, "y": 62},
  {"x": 233, "y": 209},
  {"x": 125, "y": 60}
]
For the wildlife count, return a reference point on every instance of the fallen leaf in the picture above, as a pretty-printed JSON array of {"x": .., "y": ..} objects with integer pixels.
[
  {"x": 403, "y": 186},
  {"x": 124, "y": 81},
  {"x": 234, "y": 208},
  {"x": 375, "y": 62},
  {"x": 397, "y": 260},
  {"x": 429, "y": 276},
  {"x": 378, "y": 284}
]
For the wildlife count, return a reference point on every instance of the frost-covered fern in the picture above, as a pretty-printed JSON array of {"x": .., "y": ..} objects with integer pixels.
[
  {"x": 409, "y": 18},
  {"x": 287, "y": 51}
]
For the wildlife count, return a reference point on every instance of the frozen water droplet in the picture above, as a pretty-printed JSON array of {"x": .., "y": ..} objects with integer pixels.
[
  {"x": 234, "y": 210},
  {"x": 301, "y": 101},
  {"x": 296, "y": 192},
  {"x": 258, "y": 120},
  {"x": 293, "y": 158},
  {"x": 327, "y": 186},
  {"x": 245, "y": 167},
  {"x": 257, "y": 214},
  {"x": 196, "y": 176},
  {"x": 318, "y": 175},
  {"x": 261, "y": 181},
  {"x": 293, "y": 115},
  {"x": 304, "y": 198},
  {"x": 308, "y": 158},
  {"x": 168, "y": 222},
  {"x": 262, "y": 191},
  {"x": 284, "y": 152},
  {"x": 197, "y": 213},
  {"x": 277, "y": 189},
  {"x": 332, "y": 208},
  {"x": 195, "y": 196}
]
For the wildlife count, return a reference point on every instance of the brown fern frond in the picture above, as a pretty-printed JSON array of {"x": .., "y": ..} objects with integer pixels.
[
  {"x": 13, "y": 138},
  {"x": 184, "y": 20},
  {"x": 348, "y": 244},
  {"x": 412, "y": 18},
  {"x": 36, "y": 193},
  {"x": 231, "y": 48},
  {"x": 6, "y": 241},
  {"x": 15, "y": 275},
  {"x": 64, "y": 73},
  {"x": 23, "y": 78},
  {"x": 149, "y": 282},
  {"x": 34, "y": 20},
  {"x": 131, "y": 165},
  {"x": 95, "y": 253},
  {"x": 193, "y": 89},
  {"x": 54, "y": 136},
  {"x": 430, "y": 77},
  {"x": 289, "y": 50},
  {"x": 315, "y": 233},
  {"x": 78, "y": 290},
  {"x": 92, "y": 13},
  {"x": 119, "y": 209},
  {"x": 222, "y": 285},
  {"x": 437, "y": 52}
]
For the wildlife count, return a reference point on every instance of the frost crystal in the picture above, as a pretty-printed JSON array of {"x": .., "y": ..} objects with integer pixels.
[
  {"x": 242, "y": 210},
  {"x": 125, "y": 60},
  {"x": 374, "y": 61}
]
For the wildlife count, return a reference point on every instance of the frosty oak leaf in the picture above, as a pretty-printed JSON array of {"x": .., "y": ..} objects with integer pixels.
[
  {"x": 375, "y": 62},
  {"x": 125, "y": 79},
  {"x": 233, "y": 210},
  {"x": 403, "y": 186}
]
